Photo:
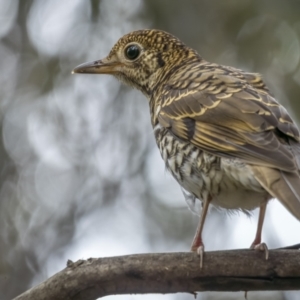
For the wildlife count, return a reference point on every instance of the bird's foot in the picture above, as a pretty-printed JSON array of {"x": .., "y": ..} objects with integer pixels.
[
  {"x": 261, "y": 247},
  {"x": 200, "y": 251}
]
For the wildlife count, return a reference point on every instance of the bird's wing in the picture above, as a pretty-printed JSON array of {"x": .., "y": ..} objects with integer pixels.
[
  {"x": 228, "y": 117},
  {"x": 233, "y": 118}
]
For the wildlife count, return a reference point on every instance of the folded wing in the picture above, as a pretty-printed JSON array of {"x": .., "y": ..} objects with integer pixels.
[{"x": 229, "y": 117}]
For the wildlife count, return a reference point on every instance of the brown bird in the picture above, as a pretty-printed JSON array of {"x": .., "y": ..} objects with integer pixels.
[{"x": 222, "y": 135}]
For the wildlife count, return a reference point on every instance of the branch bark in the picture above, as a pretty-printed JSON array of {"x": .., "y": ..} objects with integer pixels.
[{"x": 234, "y": 270}]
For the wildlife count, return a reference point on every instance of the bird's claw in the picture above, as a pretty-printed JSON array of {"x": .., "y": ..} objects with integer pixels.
[
  {"x": 200, "y": 252},
  {"x": 262, "y": 247}
]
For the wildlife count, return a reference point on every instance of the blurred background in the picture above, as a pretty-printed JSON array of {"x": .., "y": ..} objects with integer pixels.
[{"x": 80, "y": 175}]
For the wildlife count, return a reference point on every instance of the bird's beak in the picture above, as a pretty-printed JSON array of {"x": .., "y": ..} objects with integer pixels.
[{"x": 102, "y": 66}]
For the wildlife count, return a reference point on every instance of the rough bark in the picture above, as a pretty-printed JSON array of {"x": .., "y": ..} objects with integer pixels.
[{"x": 236, "y": 270}]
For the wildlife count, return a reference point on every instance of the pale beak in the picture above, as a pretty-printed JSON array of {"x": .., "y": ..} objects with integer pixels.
[{"x": 97, "y": 67}]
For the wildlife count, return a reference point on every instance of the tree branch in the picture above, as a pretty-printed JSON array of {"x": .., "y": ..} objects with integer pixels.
[{"x": 234, "y": 270}]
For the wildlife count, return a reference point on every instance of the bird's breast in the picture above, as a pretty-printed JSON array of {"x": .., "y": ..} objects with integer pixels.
[{"x": 229, "y": 182}]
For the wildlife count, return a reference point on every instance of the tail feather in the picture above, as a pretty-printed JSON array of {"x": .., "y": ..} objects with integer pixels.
[{"x": 285, "y": 186}]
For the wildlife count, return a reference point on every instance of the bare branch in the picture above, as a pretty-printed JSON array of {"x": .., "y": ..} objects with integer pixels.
[{"x": 170, "y": 273}]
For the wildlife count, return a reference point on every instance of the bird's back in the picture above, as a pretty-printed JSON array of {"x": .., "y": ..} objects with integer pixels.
[{"x": 199, "y": 144}]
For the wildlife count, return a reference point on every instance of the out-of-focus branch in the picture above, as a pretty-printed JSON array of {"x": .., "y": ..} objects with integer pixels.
[{"x": 235, "y": 270}]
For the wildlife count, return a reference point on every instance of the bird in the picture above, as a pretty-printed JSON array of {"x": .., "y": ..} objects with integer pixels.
[{"x": 221, "y": 133}]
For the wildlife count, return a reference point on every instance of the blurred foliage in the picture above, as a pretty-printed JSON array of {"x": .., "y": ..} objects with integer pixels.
[{"x": 80, "y": 174}]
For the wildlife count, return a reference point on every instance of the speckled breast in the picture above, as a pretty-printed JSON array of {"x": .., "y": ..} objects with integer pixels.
[{"x": 229, "y": 183}]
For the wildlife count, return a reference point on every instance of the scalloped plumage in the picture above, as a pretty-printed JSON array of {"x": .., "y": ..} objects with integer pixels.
[{"x": 221, "y": 133}]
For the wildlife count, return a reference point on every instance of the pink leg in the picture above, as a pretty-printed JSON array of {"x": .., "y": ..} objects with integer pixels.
[
  {"x": 257, "y": 245},
  {"x": 197, "y": 245}
]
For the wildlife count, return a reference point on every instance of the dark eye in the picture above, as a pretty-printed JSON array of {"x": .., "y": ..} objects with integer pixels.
[{"x": 132, "y": 52}]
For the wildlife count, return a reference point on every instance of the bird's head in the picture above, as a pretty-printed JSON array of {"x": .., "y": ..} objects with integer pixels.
[{"x": 141, "y": 59}]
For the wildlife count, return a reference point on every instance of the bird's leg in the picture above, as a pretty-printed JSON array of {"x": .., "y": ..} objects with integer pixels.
[
  {"x": 197, "y": 245},
  {"x": 257, "y": 245}
]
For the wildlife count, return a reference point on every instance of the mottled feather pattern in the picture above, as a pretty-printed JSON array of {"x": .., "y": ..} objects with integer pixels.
[
  {"x": 220, "y": 111},
  {"x": 201, "y": 174},
  {"x": 220, "y": 131},
  {"x": 251, "y": 131}
]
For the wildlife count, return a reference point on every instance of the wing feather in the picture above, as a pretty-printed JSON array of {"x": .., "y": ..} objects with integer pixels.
[{"x": 234, "y": 120}]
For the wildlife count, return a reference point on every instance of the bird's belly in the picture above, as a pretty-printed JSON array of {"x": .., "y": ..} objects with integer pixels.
[{"x": 228, "y": 182}]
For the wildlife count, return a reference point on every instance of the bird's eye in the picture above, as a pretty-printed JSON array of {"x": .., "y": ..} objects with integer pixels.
[{"x": 132, "y": 52}]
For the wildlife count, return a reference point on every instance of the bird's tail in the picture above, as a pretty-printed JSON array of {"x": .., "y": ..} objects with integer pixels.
[{"x": 285, "y": 186}]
